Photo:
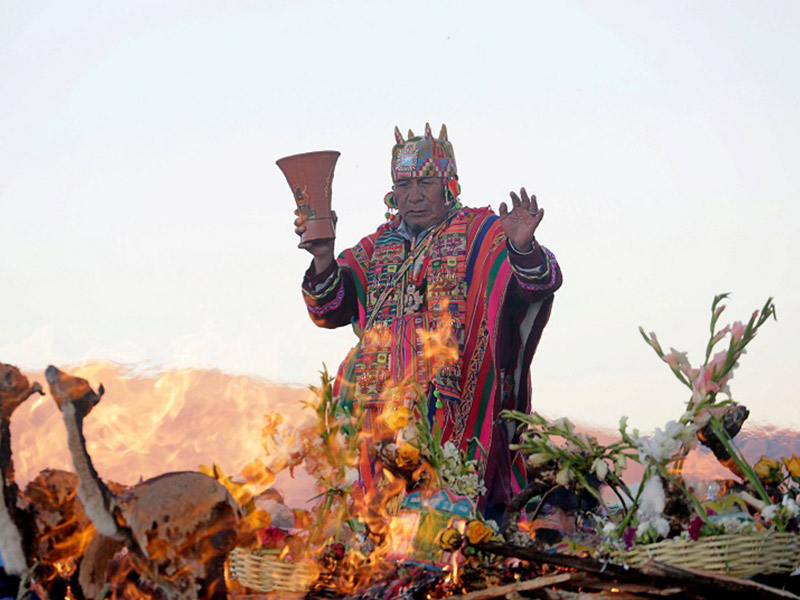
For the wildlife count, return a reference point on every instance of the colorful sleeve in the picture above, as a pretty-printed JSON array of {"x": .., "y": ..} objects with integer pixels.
[
  {"x": 329, "y": 296},
  {"x": 337, "y": 296},
  {"x": 536, "y": 274}
]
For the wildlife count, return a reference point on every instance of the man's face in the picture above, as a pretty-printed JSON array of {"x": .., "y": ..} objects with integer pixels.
[{"x": 421, "y": 202}]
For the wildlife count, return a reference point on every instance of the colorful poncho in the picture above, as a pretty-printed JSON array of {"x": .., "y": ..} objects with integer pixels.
[{"x": 459, "y": 312}]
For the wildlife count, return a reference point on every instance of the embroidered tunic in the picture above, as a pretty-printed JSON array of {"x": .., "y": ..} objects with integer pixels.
[{"x": 456, "y": 310}]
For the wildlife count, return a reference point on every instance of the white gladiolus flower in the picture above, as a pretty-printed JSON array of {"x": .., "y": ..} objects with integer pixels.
[
  {"x": 620, "y": 464},
  {"x": 539, "y": 458},
  {"x": 609, "y": 529},
  {"x": 652, "y": 500},
  {"x": 644, "y": 527},
  {"x": 659, "y": 526},
  {"x": 600, "y": 467},
  {"x": 350, "y": 476},
  {"x": 449, "y": 450},
  {"x": 768, "y": 513},
  {"x": 564, "y": 424},
  {"x": 564, "y": 476},
  {"x": 409, "y": 433},
  {"x": 663, "y": 445},
  {"x": 790, "y": 506}
]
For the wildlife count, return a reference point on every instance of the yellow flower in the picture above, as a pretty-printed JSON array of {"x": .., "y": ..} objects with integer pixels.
[
  {"x": 478, "y": 532},
  {"x": 768, "y": 470},
  {"x": 449, "y": 539},
  {"x": 397, "y": 418},
  {"x": 793, "y": 465},
  {"x": 407, "y": 456},
  {"x": 259, "y": 518}
]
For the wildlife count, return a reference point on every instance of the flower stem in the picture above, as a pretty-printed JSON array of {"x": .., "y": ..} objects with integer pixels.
[
  {"x": 743, "y": 465},
  {"x": 596, "y": 494},
  {"x": 635, "y": 503},
  {"x": 699, "y": 508}
]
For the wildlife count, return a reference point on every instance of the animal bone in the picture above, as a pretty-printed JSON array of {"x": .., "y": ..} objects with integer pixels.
[
  {"x": 178, "y": 526},
  {"x": 43, "y": 530},
  {"x": 15, "y": 523}
]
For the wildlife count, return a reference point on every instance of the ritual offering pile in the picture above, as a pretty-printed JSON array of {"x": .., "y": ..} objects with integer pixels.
[
  {"x": 410, "y": 528},
  {"x": 398, "y": 512}
]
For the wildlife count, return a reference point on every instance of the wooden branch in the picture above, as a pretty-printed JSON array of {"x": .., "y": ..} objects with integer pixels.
[
  {"x": 508, "y": 591},
  {"x": 588, "y": 565},
  {"x": 585, "y": 581},
  {"x": 517, "y": 505},
  {"x": 714, "y": 583},
  {"x": 652, "y": 572}
]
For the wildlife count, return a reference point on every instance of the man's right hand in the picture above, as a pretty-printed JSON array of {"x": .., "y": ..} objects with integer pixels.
[{"x": 321, "y": 250}]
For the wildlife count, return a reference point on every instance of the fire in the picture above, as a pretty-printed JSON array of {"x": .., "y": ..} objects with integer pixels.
[
  {"x": 252, "y": 434},
  {"x": 439, "y": 344},
  {"x": 151, "y": 423}
]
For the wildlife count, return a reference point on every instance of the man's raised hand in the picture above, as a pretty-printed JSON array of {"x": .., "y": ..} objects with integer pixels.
[{"x": 520, "y": 223}]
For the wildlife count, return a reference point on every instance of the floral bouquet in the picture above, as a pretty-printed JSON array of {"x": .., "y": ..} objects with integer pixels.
[{"x": 664, "y": 512}]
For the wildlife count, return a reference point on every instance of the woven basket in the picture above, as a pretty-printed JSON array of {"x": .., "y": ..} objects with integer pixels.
[
  {"x": 739, "y": 555},
  {"x": 263, "y": 572}
]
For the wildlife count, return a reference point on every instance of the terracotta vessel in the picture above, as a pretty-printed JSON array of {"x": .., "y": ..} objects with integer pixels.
[{"x": 310, "y": 176}]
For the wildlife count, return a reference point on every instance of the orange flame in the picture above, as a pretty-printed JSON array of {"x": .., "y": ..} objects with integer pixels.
[
  {"x": 148, "y": 424},
  {"x": 439, "y": 344}
]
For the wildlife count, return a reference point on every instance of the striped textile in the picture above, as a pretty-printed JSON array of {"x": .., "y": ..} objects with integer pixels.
[{"x": 463, "y": 278}]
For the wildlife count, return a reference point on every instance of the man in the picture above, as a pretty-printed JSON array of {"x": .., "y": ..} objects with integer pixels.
[{"x": 454, "y": 298}]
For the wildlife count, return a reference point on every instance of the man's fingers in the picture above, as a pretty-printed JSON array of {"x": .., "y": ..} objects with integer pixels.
[
  {"x": 525, "y": 201},
  {"x": 503, "y": 209},
  {"x": 515, "y": 201},
  {"x": 534, "y": 207}
]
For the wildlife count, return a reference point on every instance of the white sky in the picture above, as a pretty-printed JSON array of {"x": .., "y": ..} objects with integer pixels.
[{"x": 143, "y": 219}]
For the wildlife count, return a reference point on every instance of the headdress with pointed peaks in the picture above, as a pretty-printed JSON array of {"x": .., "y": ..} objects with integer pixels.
[{"x": 423, "y": 156}]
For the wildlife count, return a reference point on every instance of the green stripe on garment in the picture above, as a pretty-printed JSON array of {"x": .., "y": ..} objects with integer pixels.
[
  {"x": 518, "y": 474},
  {"x": 361, "y": 294},
  {"x": 501, "y": 257},
  {"x": 486, "y": 397}
]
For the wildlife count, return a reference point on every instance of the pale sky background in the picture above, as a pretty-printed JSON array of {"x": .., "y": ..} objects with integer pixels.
[{"x": 143, "y": 220}]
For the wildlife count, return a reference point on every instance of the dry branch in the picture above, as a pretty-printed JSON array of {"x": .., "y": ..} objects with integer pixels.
[
  {"x": 654, "y": 573},
  {"x": 508, "y": 591}
]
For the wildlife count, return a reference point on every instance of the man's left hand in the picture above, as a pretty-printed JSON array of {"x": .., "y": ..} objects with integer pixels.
[{"x": 521, "y": 222}]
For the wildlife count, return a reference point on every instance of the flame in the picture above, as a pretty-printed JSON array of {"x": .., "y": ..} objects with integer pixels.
[
  {"x": 148, "y": 424},
  {"x": 439, "y": 344}
]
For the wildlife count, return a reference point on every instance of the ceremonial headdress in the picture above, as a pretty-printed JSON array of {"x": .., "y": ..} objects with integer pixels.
[{"x": 423, "y": 156}]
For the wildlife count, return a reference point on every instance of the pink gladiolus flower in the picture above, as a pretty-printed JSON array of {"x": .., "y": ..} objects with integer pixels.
[
  {"x": 737, "y": 331},
  {"x": 720, "y": 334},
  {"x": 654, "y": 343},
  {"x": 677, "y": 360},
  {"x": 703, "y": 384},
  {"x": 718, "y": 362}
]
